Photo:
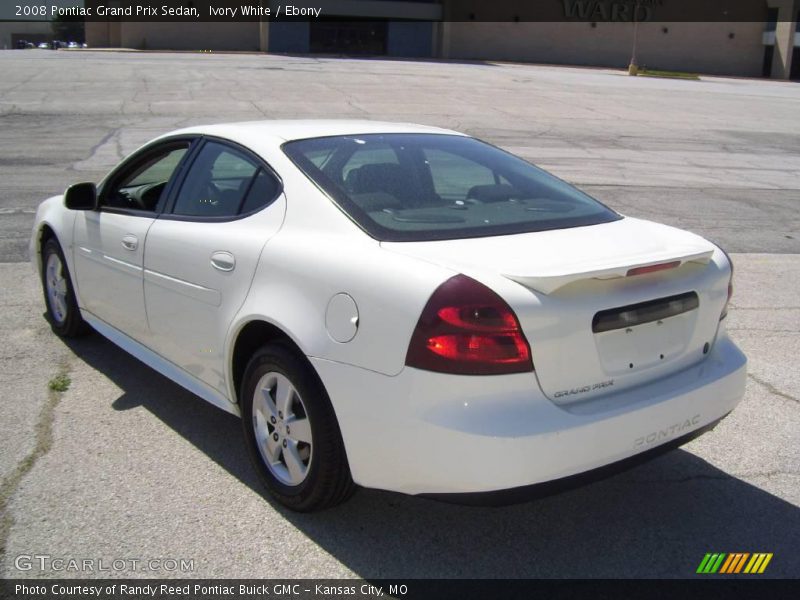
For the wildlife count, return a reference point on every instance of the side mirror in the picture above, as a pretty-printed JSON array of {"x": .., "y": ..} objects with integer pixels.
[{"x": 81, "y": 196}]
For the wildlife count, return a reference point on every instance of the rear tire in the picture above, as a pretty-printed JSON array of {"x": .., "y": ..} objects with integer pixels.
[
  {"x": 291, "y": 432},
  {"x": 63, "y": 313}
]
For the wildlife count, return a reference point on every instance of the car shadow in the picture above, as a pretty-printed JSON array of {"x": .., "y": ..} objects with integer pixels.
[{"x": 656, "y": 520}]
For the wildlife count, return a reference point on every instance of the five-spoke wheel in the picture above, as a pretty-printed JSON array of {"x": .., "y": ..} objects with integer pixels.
[
  {"x": 291, "y": 431},
  {"x": 62, "y": 307},
  {"x": 282, "y": 429},
  {"x": 56, "y": 287}
]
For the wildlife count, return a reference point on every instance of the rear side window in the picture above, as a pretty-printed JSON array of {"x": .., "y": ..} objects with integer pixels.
[
  {"x": 224, "y": 182},
  {"x": 263, "y": 189},
  {"x": 414, "y": 187}
]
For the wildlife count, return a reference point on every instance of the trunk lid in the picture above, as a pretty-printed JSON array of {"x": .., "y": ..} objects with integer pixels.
[{"x": 593, "y": 326}]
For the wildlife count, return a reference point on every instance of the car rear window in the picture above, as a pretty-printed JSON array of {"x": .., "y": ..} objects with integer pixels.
[{"x": 415, "y": 187}]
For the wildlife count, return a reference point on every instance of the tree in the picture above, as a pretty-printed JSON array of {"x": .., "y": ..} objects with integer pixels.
[{"x": 68, "y": 28}]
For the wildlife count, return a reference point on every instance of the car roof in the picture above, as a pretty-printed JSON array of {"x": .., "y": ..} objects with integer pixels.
[{"x": 296, "y": 129}]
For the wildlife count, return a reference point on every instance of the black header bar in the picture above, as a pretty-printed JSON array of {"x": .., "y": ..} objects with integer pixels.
[
  {"x": 708, "y": 587},
  {"x": 590, "y": 11}
]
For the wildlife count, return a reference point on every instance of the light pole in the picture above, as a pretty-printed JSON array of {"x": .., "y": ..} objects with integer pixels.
[{"x": 633, "y": 67}]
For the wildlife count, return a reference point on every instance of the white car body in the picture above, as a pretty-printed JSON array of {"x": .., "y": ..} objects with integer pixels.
[{"x": 351, "y": 303}]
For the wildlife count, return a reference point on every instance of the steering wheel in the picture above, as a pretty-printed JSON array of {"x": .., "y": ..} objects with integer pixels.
[
  {"x": 148, "y": 195},
  {"x": 126, "y": 199}
]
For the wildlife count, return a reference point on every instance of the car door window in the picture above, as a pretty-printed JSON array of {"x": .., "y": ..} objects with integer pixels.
[
  {"x": 224, "y": 182},
  {"x": 141, "y": 186}
]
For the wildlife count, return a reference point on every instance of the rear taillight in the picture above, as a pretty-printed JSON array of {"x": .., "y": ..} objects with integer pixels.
[
  {"x": 730, "y": 288},
  {"x": 468, "y": 329},
  {"x": 728, "y": 300}
]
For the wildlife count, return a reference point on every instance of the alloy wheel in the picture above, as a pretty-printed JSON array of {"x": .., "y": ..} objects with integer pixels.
[{"x": 282, "y": 429}]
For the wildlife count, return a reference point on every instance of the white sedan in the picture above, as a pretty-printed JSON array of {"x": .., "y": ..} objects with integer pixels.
[{"x": 396, "y": 306}]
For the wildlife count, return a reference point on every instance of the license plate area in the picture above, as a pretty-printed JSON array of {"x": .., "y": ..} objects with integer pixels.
[
  {"x": 642, "y": 336},
  {"x": 632, "y": 315}
]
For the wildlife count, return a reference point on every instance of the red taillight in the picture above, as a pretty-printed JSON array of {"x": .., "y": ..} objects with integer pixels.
[
  {"x": 728, "y": 299},
  {"x": 730, "y": 289},
  {"x": 468, "y": 329}
]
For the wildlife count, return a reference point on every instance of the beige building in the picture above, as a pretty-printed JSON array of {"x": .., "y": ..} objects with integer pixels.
[
  {"x": 713, "y": 48},
  {"x": 12, "y": 32},
  {"x": 588, "y": 32}
]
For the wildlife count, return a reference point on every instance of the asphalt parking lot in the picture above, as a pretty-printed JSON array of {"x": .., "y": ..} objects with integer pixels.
[{"x": 127, "y": 465}]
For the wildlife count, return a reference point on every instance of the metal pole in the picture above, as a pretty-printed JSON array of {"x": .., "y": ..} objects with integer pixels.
[{"x": 633, "y": 67}]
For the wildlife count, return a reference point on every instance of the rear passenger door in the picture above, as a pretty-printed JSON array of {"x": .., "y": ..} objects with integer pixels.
[{"x": 202, "y": 252}]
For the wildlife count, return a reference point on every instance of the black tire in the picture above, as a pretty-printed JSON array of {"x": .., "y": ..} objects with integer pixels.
[
  {"x": 327, "y": 478},
  {"x": 69, "y": 323}
]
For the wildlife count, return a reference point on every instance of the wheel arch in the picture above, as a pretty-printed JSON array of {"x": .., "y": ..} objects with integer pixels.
[
  {"x": 52, "y": 221},
  {"x": 251, "y": 336},
  {"x": 44, "y": 232}
]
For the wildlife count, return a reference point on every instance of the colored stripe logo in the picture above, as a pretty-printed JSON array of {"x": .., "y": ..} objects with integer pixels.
[{"x": 733, "y": 563}]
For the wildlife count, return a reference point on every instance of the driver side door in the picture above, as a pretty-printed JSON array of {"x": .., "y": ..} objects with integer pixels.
[{"x": 109, "y": 242}]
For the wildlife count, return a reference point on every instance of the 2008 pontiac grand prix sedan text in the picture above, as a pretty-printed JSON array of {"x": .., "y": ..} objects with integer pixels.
[{"x": 396, "y": 306}]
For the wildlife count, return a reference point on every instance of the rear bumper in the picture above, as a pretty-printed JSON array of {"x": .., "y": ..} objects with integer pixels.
[
  {"x": 434, "y": 434},
  {"x": 556, "y": 486}
]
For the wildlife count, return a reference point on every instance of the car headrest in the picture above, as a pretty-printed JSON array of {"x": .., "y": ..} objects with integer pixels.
[
  {"x": 378, "y": 177},
  {"x": 497, "y": 192}
]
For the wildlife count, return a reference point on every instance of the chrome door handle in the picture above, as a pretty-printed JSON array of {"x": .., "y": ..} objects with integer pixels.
[
  {"x": 130, "y": 242},
  {"x": 223, "y": 261}
]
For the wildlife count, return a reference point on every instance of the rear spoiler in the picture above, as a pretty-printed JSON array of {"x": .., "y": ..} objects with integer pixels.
[{"x": 547, "y": 283}]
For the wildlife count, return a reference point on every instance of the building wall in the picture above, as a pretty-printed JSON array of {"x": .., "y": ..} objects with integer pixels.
[
  {"x": 713, "y": 48},
  {"x": 691, "y": 47},
  {"x": 10, "y": 31},
  {"x": 289, "y": 36},
  {"x": 174, "y": 36},
  {"x": 191, "y": 36},
  {"x": 410, "y": 39},
  {"x": 103, "y": 34},
  {"x": 413, "y": 39}
]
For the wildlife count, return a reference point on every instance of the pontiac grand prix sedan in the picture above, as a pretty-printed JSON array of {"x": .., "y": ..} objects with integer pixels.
[{"x": 396, "y": 306}]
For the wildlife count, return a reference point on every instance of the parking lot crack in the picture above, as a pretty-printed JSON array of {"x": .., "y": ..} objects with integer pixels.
[
  {"x": 106, "y": 138},
  {"x": 43, "y": 442},
  {"x": 255, "y": 106},
  {"x": 772, "y": 389}
]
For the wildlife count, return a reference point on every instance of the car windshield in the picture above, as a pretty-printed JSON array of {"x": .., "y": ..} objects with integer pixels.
[{"x": 414, "y": 187}]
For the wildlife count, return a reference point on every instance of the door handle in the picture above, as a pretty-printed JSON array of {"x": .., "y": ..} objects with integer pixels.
[
  {"x": 223, "y": 261},
  {"x": 130, "y": 242}
]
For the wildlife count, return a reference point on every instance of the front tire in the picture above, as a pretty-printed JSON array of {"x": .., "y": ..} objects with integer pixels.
[
  {"x": 63, "y": 313},
  {"x": 291, "y": 432}
]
